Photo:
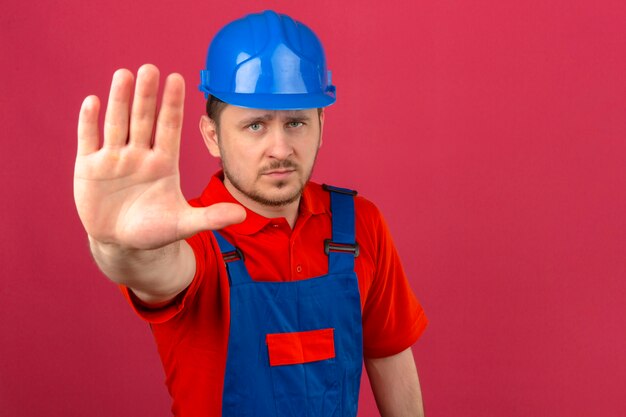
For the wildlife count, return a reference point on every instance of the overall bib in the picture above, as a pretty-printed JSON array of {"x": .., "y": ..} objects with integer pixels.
[{"x": 295, "y": 348}]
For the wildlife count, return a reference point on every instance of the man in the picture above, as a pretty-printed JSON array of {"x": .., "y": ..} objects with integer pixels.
[{"x": 264, "y": 294}]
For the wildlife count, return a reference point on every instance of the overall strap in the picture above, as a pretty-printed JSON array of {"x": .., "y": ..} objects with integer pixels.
[
  {"x": 342, "y": 248},
  {"x": 233, "y": 259}
]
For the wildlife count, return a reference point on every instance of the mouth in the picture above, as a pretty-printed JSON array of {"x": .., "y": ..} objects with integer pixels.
[{"x": 279, "y": 173}]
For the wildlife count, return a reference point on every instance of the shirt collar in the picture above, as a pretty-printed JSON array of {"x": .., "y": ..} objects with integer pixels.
[
  {"x": 311, "y": 202},
  {"x": 216, "y": 192}
]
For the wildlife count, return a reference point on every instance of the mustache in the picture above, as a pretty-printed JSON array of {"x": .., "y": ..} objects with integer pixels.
[{"x": 275, "y": 165}]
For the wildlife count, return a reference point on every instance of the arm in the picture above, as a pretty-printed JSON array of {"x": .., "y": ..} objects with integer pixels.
[
  {"x": 396, "y": 385},
  {"x": 127, "y": 189},
  {"x": 155, "y": 276}
]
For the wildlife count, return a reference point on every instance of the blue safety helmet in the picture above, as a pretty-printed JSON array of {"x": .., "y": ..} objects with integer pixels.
[{"x": 267, "y": 61}]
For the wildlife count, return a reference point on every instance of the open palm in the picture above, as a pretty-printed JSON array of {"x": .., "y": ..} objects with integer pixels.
[{"x": 127, "y": 189}]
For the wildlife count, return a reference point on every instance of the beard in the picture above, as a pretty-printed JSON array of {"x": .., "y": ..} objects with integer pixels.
[{"x": 265, "y": 198}]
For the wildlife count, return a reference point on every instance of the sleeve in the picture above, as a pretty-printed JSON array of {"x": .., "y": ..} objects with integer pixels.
[
  {"x": 393, "y": 318},
  {"x": 164, "y": 312}
]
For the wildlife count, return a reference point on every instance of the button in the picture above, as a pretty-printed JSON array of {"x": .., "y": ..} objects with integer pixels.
[
  {"x": 275, "y": 225},
  {"x": 299, "y": 268}
]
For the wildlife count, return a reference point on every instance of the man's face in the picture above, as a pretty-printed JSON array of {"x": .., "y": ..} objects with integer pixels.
[{"x": 268, "y": 155}]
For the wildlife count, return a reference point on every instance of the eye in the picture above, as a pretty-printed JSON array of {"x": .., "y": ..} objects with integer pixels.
[
  {"x": 255, "y": 127},
  {"x": 294, "y": 124}
]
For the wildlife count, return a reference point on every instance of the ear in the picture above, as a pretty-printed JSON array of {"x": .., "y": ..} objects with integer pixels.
[
  {"x": 208, "y": 129},
  {"x": 322, "y": 113}
]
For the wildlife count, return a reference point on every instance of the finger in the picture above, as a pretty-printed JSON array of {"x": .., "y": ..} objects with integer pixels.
[
  {"x": 144, "y": 106},
  {"x": 170, "y": 119},
  {"x": 116, "y": 118},
  {"x": 88, "y": 134},
  {"x": 214, "y": 217}
]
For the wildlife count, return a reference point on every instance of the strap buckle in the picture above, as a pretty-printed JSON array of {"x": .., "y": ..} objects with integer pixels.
[
  {"x": 232, "y": 256},
  {"x": 330, "y": 246}
]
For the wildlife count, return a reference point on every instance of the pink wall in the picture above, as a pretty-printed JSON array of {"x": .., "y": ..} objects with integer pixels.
[{"x": 492, "y": 134}]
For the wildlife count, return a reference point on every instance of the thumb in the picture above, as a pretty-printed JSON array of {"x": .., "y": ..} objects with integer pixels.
[{"x": 214, "y": 217}]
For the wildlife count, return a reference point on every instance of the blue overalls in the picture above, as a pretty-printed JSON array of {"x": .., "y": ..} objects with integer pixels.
[{"x": 295, "y": 348}]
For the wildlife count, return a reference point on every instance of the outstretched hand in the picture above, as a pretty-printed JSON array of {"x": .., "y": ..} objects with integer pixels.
[{"x": 127, "y": 189}]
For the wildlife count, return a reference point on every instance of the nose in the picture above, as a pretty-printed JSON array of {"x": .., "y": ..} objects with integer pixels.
[{"x": 280, "y": 146}]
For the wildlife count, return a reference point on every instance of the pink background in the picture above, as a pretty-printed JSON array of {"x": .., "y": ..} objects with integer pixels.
[{"x": 491, "y": 134}]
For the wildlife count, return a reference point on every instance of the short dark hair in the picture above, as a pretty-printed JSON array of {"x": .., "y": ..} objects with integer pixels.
[{"x": 214, "y": 108}]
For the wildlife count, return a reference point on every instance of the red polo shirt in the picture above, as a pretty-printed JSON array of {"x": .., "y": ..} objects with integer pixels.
[{"x": 192, "y": 332}]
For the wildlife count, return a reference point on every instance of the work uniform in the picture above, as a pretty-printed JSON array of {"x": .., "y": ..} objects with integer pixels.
[{"x": 193, "y": 331}]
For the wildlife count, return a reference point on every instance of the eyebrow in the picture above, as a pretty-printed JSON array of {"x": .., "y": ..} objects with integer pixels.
[{"x": 294, "y": 115}]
